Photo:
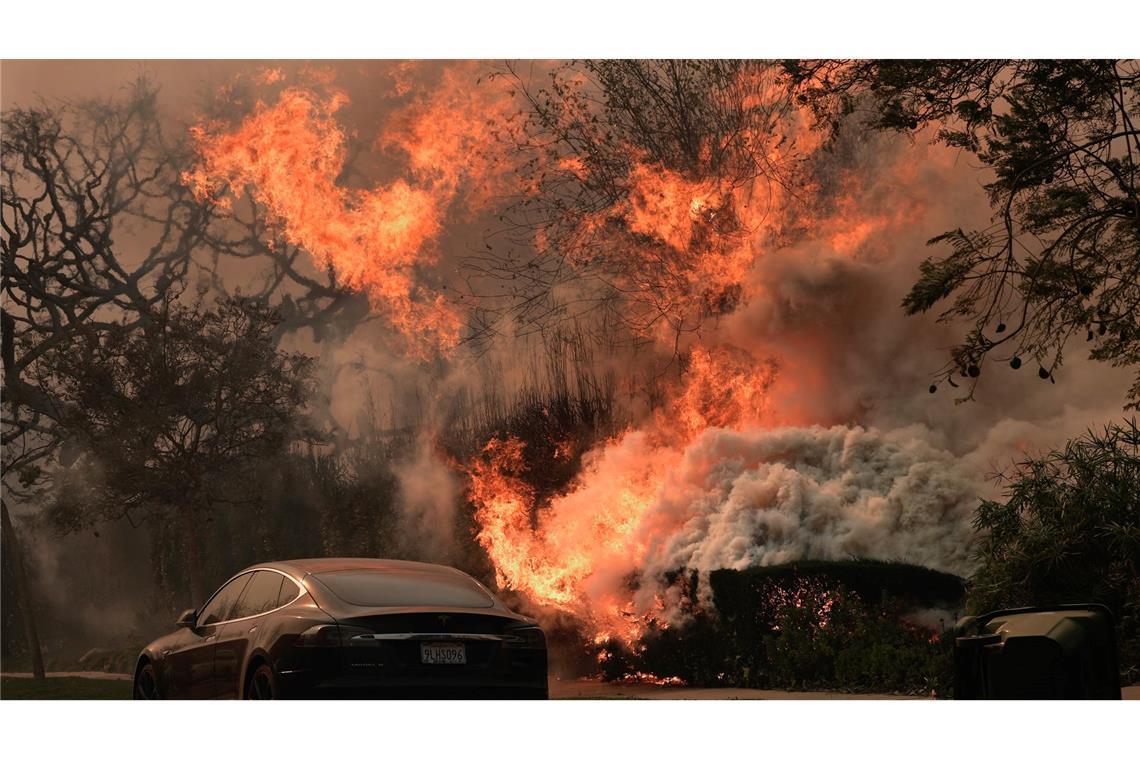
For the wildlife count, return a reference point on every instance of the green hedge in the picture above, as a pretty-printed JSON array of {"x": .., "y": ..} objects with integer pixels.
[
  {"x": 736, "y": 590},
  {"x": 808, "y": 625}
]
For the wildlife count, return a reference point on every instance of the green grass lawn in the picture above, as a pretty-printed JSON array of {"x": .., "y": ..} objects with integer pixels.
[{"x": 66, "y": 687}]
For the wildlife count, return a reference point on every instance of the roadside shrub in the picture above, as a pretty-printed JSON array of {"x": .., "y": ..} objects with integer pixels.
[
  {"x": 797, "y": 627},
  {"x": 1068, "y": 530}
]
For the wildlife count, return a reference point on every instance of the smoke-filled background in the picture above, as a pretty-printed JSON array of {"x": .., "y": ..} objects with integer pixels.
[{"x": 570, "y": 356}]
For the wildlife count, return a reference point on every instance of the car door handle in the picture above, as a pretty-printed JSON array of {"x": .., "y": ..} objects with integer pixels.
[
  {"x": 211, "y": 637},
  {"x": 251, "y": 630}
]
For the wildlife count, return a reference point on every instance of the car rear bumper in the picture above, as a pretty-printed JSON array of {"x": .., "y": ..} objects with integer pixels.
[{"x": 382, "y": 664}]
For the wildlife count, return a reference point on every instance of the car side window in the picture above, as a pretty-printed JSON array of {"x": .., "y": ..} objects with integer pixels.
[
  {"x": 259, "y": 596},
  {"x": 219, "y": 606},
  {"x": 288, "y": 593}
]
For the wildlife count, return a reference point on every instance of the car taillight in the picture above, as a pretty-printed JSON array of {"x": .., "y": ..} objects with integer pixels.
[
  {"x": 329, "y": 635},
  {"x": 529, "y": 637}
]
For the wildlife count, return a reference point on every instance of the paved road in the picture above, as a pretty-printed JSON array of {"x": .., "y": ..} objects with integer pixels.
[
  {"x": 588, "y": 689},
  {"x": 576, "y": 689},
  {"x": 97, "y": 674}
]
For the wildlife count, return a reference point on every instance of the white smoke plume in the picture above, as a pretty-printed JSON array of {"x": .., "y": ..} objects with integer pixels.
[
  {"x": 734, "y": 499},
  {"x": 429, "y": 498},
  {"x": 768, "y": 497}
]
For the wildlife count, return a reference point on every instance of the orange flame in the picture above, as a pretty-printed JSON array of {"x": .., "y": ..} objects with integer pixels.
[
  {"x": 450, "y": 134},
  {"x": 685, "y": 242},
  {"x": 725, "y": 388},
  {"x": 288, "y": 156},
  {"x": 648, "y": 679},
  {"x": 693, "y": 242},
  {"x": 575, "y": 553},
  {"x": 547, "y": 555}
]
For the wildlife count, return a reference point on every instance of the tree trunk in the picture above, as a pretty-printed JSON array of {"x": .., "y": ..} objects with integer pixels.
[
  {"x": 193, "y": 556},
  {"x": 23, "y": 595}
]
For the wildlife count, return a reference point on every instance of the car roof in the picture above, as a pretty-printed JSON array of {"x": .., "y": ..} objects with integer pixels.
[
  {"x": 298, "y": 569},
  {"x": 317, "y": 565}
]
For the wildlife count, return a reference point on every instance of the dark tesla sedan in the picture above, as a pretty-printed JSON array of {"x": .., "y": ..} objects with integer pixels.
[{"x": 347, "y": 628}]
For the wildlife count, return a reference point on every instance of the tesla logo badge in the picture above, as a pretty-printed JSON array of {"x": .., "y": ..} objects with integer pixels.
[{"x": 443, "y": 620}]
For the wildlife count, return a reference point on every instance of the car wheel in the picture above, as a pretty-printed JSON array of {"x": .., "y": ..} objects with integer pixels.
[
  {"x": 262, "y": 684},
  {"x": 146, "y": 683}
]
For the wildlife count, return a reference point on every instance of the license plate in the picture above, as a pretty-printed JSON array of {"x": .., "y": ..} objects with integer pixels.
[{"x": 443, "y": 654}]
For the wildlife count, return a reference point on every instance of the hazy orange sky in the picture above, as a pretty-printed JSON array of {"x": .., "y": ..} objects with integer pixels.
[{"x": 23, "y": 81}]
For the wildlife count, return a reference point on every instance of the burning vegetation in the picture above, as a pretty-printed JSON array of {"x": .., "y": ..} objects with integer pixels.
[{"x": 699, "y": 251}]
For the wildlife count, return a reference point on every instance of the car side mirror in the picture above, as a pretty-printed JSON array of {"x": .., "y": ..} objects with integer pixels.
[{"x": 188, "y": 619}]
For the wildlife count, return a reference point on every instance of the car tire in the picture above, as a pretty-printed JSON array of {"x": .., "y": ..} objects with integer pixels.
[
  {"x": 262, "y": 684},
  {"x": 146, "y": 683}
]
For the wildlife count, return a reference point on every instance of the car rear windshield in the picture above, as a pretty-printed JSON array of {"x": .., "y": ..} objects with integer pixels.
[{"x": 389, "y": 589}]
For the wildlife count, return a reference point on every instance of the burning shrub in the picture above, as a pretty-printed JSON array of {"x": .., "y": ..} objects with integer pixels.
[
  {"x": 694, "y": 654},
  {"x": 833, "y": 639},
  {"x": 869, "y": 579},
  {"x": 805, "y": 626}
]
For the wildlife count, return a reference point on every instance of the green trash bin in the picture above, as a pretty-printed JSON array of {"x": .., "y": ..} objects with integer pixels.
[{"x": 1063, "y": 652}]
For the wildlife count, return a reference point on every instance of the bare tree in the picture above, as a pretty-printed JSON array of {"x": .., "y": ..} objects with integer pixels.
[
  {"x": 168, "y": 423},
  {"x": 99, "y": 229},
  {"x": 79, "y": 181},
  {"x": 75, "y": 180},
  {"x": 592, "y": 141},
  {"x": 100, "y": 238}
]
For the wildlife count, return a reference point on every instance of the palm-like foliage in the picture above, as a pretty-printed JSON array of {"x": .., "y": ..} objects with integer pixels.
[
  {"x": 1068, "y": 530},
  {"x": 1060, "y": 140}
]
